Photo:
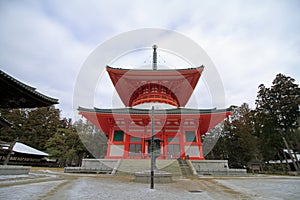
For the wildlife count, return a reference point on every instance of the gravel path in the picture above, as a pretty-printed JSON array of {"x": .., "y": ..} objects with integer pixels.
[{"x": 56, "y": 185}]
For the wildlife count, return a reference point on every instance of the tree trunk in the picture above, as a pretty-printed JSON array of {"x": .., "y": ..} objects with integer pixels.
[
  {"x": 296, "y": 158},
  {"x": 290, "y": 153},
  {"x": 10, "y": 151},
  {"x": 286, "y": 160},
  {"x": 281, "y": 164}
]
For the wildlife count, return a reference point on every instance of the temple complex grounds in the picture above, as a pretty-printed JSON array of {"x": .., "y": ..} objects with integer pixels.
[{"x": 43, "y": 183}]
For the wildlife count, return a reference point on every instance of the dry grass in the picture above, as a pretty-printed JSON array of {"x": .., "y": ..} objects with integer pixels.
[{"x": 46, "y": 168}]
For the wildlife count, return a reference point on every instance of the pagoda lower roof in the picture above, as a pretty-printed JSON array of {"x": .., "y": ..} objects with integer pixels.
[
  {"x": 15, "y": 94},
  {"x": 174, "y": 111},
  {"x": 104, "y": 118},
  {"x": 171, "y": 86}
]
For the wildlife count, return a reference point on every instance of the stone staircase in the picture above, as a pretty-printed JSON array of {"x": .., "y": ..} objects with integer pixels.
[
  {"x": 130, "y": 166},
  {"x": 185, "y": 168}
]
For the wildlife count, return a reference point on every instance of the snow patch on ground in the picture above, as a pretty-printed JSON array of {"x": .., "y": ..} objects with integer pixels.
[{"x": 269, "y": 188}]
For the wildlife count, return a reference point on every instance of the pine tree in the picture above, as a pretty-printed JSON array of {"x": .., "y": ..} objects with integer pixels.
[
  {"x": 238, "y": 143},
  {"x": 93, "y": 139},
  {"x": 277, "y": 112}
]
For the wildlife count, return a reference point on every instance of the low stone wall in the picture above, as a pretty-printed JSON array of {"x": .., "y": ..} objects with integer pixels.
[
  {"x": 229, "y": 172},
  {"x": 14, "y": 170},
  {"x": 159, "y": 177},
  {"x": 210, "y": 165},
  {"x": 88, "y": 170},
  {"x": 216, "y": 168},
  {"x": 99, "y": 166},
  {"x": 99, "y": 163}
]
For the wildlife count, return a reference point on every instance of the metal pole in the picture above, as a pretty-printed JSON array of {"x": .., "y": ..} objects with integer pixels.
[
  {"x": 154, "y": 62},
  {"x": 154, "y": 67},
  {"x": 152, "y": 148}
]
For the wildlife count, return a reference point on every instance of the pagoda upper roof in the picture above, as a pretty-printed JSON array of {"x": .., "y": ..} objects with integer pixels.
[
  {"x": 15, "y": 94},
  {"x": 171, "y": 86},
  {"x": 103, "y": 118}
]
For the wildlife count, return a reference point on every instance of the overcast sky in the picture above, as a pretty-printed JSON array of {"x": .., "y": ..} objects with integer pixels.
[{"x": 45, "y": 43}]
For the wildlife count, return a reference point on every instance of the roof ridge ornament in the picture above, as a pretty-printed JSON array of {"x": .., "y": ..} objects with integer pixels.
[{"x": 154, "y": 63}]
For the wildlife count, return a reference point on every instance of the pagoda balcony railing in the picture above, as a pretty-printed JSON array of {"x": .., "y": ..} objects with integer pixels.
[{"x": 153, "y": 93}]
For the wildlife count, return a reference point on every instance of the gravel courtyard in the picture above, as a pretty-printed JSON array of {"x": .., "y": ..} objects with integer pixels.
[{"x": 46, "y": 184}]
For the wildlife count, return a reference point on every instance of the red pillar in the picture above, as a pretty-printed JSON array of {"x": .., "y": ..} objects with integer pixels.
[
  {"x": 127, "y": 139},
  {"x": 144, "y": 143},
  {"x": 182, "y": 142},
  {"x": 109, "y": 141},
  {"x": 199, "y": 144}
]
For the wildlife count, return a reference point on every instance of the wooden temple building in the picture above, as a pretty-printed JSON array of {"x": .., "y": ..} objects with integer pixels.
[
  {"x": 16, "y": 94},
  {"x": 179, "y": 128}
]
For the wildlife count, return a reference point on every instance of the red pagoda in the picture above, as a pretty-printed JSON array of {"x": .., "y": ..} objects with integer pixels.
[{"x": 179, "y": 129}]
